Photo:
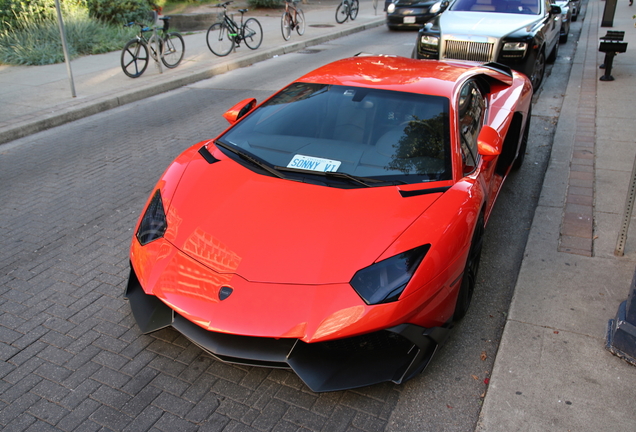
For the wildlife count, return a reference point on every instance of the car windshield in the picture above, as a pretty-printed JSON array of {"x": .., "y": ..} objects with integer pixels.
[
  {"x": 529, "y": 7},
  {"x": 318, "y": 129}
]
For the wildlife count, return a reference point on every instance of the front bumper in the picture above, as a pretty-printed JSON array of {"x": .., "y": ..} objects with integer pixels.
[
  {"x": 395, "y": 354},
  {"x": 408, "y": 18}
]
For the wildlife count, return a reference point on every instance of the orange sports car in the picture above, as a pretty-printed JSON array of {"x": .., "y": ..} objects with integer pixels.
[{"x": 336, "y": 228}]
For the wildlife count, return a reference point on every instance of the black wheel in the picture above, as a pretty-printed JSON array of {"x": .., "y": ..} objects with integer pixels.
[
  {"x": 173, "y": 50},
  {"x": 353, "y": 9},
  {"x": 538, "y": 71},
  {"x": 134, "y": 58},
  {"x": 285, "y": 25},
  {"x": 219, "y": 40},
  {"x": 252, "y": 33},
  {"x": 300, "y": 22},
  {"x": 342, "y": 12},
  {"x": 564, "y": 37},
  {"x": 524, "y": 144},
  {"x": 469, "y": 280},
  {"x": 555, "y": 52}
]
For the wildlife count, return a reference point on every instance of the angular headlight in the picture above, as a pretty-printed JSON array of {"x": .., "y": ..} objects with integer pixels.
[
  {"x": 515, "y": 46},
  {"x": 430, "y": 40},
  {"x": 436, "y": 8},
  {"x": 383, "y": 282},
  {"x": 153, "y": 224}
]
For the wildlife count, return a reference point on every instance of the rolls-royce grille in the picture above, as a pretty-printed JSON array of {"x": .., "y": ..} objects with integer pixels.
[{"x": 465, "y": 50}]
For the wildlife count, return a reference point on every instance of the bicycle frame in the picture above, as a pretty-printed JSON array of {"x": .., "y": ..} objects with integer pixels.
[
  {"x": 235, "y": 30},
  {"x": 290, "y": 6}
]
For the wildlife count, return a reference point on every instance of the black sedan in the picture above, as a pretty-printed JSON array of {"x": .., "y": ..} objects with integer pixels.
[
  {"x": 408, "y": 14},
  {"x": 521, "y": 34}
]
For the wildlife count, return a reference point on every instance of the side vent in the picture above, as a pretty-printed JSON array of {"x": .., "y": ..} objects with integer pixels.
[{"x": 203, "y": 151}]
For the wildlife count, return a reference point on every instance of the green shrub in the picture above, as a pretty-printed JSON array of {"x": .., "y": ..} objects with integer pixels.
[
  {"x": 120, "y": 11},
  {"x": 14, "y": 12},
  {"x": 38, "y": 41},
  {"x": 264, "y": 4}
]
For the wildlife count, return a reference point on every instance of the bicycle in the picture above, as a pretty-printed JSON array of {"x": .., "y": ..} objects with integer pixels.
[
  {"x": 293, "y": 18},
  {"x": 347, "y": 9},
  {"x": 169, "y": 47},
  {"x": 223, "y": 36}
]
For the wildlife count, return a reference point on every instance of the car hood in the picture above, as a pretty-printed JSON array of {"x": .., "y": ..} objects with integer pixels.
[
  {"x": 484, "y": 24},
  {"x": 271, "y": 230}
]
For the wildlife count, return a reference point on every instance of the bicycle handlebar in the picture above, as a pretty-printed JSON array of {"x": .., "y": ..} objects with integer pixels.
[{"x": 224, "y": 4}]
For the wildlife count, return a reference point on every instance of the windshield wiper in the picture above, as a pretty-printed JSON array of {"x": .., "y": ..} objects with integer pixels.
[
  {"x": 250, "y": 158},
  {"x": 364, "y": 181}
]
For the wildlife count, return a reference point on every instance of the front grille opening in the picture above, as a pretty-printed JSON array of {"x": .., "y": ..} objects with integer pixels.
[
  {"x": 368, "y": 343},
  {"x": 466, "y": 50}
]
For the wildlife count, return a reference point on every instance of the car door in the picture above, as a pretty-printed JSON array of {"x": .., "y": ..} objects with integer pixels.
[{"x": 553, "y": 26}]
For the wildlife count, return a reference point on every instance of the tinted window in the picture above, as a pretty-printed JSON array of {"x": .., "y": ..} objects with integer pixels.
[
  {"x": 530, "y": 7},
  {"x": 358, "y": 131}
]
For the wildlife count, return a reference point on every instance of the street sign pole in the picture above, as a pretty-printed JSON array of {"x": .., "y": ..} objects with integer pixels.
[{"x": 67, "y": 58}]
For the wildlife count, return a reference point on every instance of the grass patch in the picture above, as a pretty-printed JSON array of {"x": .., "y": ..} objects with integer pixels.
[{"x": 38, "y": 42}]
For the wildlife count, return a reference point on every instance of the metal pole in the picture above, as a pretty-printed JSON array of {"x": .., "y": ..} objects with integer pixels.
[
  {"x": 67, "y": 58},
  {"x": 627, "y": 215}
]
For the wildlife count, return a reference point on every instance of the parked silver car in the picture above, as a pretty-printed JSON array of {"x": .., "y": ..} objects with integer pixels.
[
  {"x": 520, "y": 34},
  {"x": 566, "y": 18}
]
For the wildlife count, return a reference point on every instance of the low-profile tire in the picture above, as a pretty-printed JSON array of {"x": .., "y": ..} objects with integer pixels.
[
  {"x": 523, "y": 147},
  {"x": 563, "y": 38},
  {"x": 538, "y": 71},
  {"x": 469, "y": 279},
  {"x": 554, "y": 54}
]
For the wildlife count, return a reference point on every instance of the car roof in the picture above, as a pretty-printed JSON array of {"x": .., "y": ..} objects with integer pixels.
[
  {"x": 392, "y": 73},
  {"x": 431, "y": 77}
]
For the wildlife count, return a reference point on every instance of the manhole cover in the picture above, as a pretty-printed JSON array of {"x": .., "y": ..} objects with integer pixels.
[
  {"x": 321, "y": 25},
  {"x": 309, "y": 51}
]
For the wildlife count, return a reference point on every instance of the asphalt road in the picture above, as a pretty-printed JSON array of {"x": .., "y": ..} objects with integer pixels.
[{"x": 72, "y": 355}]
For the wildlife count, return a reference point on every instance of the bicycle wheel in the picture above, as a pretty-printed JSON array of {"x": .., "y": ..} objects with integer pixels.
[
  {"x": 342, "y": 12},
  {"x": 219, "y": 40},
  {"x": 353, "y": 9},
  {"x": 285, "y": 25},
  {"x": 134, "y": 58},
  {"x": 173, "y": 50},
  {"x": 300, "y": 22},
  {"x": 252, "y": 33}
]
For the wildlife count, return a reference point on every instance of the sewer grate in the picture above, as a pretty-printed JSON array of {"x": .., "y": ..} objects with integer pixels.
[
  {"x": 321, "y": 25},
  {"x": 309, "y": 51}
]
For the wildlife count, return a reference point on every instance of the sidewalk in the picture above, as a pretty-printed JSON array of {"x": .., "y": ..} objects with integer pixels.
[
  {"x": 552, "y": 372},
  {"x": 35, "y": 98}
]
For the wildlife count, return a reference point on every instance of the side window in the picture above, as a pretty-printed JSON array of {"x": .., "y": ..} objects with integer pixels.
[{"x": 471, "y": 109}]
